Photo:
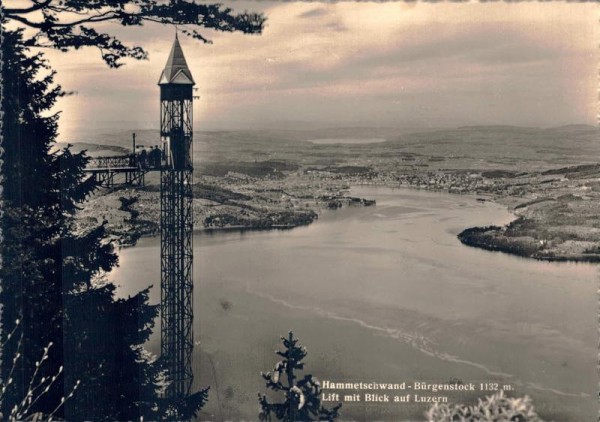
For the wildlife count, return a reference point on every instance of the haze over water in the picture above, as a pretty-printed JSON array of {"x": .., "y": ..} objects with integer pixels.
[{"x": 386, "y": 294}]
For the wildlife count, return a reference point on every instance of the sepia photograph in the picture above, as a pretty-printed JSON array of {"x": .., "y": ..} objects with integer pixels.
[{"x": 299, "y": 211}]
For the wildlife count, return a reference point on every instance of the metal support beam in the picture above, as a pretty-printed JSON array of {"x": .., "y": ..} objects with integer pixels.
[{"x": 177, "y": 338}]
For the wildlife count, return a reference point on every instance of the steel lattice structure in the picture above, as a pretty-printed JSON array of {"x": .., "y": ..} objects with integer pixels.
[{"x": 176, "y": 222}]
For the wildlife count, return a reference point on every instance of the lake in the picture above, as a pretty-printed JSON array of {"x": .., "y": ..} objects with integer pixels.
[{"x": 386, "y": 294}]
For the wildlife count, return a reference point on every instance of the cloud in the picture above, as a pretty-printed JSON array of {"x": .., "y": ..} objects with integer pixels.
[
  {"x": 336, "y": 27},
  {"x": 320, "y": 11},
  {"x": 483, "y": 62}
]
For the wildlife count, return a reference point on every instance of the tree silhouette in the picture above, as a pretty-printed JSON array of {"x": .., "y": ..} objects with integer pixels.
[
  {"x": 39, "y": 198},
  {"x": 302, "y": 397},
  {"x": 53, "y": 269},
  {"x": 69, "y": 24}
]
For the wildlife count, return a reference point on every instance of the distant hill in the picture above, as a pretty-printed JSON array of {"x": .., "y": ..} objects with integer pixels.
[
  {"x": 509, "y": 146},
  {"x": 575, "y": 128},
  {"x": 96, "y": 150},
  {"x": 495, "y": 146},
  {"x": 500, "y": 128}
]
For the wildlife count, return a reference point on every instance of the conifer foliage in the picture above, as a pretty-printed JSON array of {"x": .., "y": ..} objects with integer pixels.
[
  {"x": 53, "y": 271},
  {"x": 53, "y": 285},
  {"x": 35, "y": 214},
  {"x": 301, "y": 396}
]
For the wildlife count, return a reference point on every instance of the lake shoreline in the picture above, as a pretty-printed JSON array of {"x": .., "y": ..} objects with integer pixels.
[
  {"x": 518, "y": 238},
  {"x": 492, "y": 238},
  {"x": 554, "y": 207}
]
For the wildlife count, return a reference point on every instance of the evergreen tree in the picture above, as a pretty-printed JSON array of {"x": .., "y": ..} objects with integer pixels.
[
  {"x": 53, "y": 271},
  {"x": 35, "y": 208},
  {"x": 302, "y": 397},
  {"x": 52, "y": 274}
]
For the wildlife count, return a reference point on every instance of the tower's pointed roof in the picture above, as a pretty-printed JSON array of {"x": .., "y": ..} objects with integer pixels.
[{"x": 176, "y": 70}]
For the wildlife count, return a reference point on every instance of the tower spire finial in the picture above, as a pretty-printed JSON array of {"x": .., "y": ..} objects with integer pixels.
[{"x": 176, "y": 70}]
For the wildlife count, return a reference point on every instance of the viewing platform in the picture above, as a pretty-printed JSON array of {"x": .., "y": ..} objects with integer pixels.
[{"x": 125, "y": 170}]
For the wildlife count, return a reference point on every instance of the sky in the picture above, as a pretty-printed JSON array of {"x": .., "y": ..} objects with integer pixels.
[{"x": 392, "y": 64}]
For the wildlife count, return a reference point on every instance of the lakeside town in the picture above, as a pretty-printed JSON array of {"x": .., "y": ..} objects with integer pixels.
[{"x": 280, "y": 181}]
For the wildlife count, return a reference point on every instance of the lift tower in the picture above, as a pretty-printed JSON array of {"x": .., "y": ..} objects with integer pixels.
[{"x": 176, "y": 221}]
